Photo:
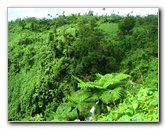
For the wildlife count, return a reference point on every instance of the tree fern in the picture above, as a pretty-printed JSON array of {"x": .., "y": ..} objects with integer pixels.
[
  {"x": 107, "y": 88},
  {"x": 102, "y": 81},
  {"x": 101, "y": 89},
  {"x": 71, "y": 103}
]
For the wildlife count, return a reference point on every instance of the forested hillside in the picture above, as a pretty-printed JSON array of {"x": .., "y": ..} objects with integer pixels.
[{"x": 58, "y": 68}]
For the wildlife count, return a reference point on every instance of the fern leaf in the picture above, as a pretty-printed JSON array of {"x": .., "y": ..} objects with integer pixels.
[
  {"x": 64, "y": 107},
  {"x": 81, "y": 96},
  {"x": 106, "y": 97},
  {"x": 98, "y": 76},
  {"x": 87, "y": 85},
  {"x": 79, "y": 80},
  {"x": 111, "y": 95},
  {"x": 111, "y": 79},
  {"x": 64, "y": 111},
  {"x": 78, "y": 97},
  {"x": 116, "y": 93},
  {"x": 102, "y": 82}
]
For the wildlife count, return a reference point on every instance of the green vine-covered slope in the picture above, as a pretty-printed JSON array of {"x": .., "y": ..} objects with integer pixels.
[{"x": 59, "y": 68}]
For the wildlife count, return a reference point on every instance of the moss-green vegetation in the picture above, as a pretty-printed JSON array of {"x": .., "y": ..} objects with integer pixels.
[{"x": 59, "y": 66}]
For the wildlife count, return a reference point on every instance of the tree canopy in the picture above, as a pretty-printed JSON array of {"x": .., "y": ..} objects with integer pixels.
[{"x": 59, "y": 66}]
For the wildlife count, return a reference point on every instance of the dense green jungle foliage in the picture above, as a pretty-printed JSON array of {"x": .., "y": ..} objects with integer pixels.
[{"x": 60, "y": 66}]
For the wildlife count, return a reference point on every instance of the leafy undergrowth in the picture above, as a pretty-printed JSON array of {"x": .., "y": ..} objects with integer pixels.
[{"x": 142, "y": 107}]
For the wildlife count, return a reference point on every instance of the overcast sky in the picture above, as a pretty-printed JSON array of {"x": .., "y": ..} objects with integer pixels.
[{"x": 14, "y": 13}]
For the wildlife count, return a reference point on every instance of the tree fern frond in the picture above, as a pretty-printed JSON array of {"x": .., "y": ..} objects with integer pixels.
[
  {"x": 121, "y": 76},
  {"x": 64, "y": 107},
  {"x": 76, "y": 78},
  {"x": 98, "y": 76},
  {"x": 106, "y": 80},
  {"x": 78, "y": 97},
  {"x": 87, "y": 85},
  {"x": 72, "y": 114},
  {"x": 106, "y": 97},
  {"x": 102, "y": 82},
  {"x": 116, "y": 93},
  {"x": 65, "y": 111},
  {"x": 111, "y": 79},
  {"x": 93, "y": 98},
  {"x": 111, "y": 95},
  {"x": 82, "y": 96}
]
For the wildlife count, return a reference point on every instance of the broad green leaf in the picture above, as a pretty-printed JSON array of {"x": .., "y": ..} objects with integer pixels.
[{"x": 135, "y": 105}]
